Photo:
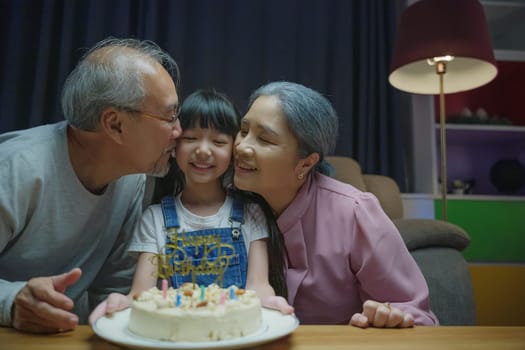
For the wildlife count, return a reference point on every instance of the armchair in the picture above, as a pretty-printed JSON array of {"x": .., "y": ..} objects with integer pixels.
[{"x": 435, "y": 245}]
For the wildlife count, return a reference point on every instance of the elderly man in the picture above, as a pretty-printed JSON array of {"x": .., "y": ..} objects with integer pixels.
[{"x": 71, "y": 192}]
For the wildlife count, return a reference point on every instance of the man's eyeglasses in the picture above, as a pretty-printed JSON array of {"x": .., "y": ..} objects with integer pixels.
[{"x": 170, "y": 120}]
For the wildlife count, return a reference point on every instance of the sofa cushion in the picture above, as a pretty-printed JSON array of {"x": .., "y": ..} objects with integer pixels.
[
  {"x": 347, "y": 170},
  {"x": 387, "y": 192},
  {"x": 450, "y": 287},
  {"x": 421, "y": 233}
]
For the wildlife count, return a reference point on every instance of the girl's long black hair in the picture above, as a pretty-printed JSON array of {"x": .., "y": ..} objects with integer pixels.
[{"x": 275, "y": 245}]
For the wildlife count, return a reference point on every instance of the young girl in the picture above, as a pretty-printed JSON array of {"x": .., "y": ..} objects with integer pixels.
[{"x": 185, "y": 227}]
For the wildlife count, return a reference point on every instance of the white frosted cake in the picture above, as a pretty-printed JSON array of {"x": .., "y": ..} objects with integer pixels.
[{"x": 184, "y": 315}]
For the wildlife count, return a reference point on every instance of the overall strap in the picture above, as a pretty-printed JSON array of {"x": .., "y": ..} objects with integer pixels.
[
  {"x": 237, "y": 218},
  {"x": 169, "y": 212},
  {"x": 237, "y": 212}
]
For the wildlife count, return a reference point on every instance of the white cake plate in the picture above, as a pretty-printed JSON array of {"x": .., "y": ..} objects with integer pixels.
[{"x": 115, "y": 330}]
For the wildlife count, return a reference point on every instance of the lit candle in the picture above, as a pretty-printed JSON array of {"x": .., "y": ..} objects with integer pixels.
[
  {"x": 164, "y": 288},
  {"x": 177, "y": 299},
  {"x": 222, "y": 299}
]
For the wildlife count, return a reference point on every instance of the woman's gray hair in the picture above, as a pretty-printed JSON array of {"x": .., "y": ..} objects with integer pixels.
[
  {"x": 109, "y": 75},
  {"x": 310, "y": 117}
]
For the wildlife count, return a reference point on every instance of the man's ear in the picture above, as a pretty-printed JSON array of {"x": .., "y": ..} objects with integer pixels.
[
  {"x": 307, "y": 163},
  {"x": 111, "y": 124}
]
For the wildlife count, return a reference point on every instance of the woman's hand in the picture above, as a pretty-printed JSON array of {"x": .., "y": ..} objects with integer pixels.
[
  {"x": 381, "y": 315},
  {"x": 277, "y": 303},
  {"x": 113, "y": 303}
]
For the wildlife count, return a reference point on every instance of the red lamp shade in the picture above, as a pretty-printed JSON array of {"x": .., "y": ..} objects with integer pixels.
[{"x": 436, "y": 28}]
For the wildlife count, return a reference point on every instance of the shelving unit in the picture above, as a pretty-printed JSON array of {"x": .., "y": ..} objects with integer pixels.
[
  {"x": 495, "y": 221},
  {"x": 472, "y": 150}
]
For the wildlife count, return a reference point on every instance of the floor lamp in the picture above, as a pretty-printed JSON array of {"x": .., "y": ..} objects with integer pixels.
[{"x": 443, "y": 46}]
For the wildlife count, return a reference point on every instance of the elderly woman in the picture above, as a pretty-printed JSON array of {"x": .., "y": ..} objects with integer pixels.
[{"x": 345, "y": 261}]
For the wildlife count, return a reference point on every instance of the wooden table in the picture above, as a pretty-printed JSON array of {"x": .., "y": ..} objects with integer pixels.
[{"x": 311, "y": 338}]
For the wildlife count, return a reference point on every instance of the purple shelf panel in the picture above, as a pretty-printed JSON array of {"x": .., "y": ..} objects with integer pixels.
[{"x": 472, "y": 153}]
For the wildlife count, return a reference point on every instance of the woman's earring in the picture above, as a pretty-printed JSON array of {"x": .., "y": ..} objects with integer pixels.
[{"x": 300, "y": 176}]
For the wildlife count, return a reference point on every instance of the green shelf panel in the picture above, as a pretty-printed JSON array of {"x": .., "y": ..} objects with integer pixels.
[{"x": 496, "y": 228}]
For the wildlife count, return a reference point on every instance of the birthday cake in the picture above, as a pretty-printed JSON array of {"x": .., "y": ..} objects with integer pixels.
[{"x": 195, "y": 314}]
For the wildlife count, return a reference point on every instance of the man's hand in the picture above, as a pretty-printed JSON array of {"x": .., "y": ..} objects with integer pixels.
[
  {"x": 42, "y": 307},
  {"x": 381, "y": 315},
  {"x": 113, "y": 303}
]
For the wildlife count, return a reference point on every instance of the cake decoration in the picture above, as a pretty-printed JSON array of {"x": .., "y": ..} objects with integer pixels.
[
  {"x": 176, "y": 260},
  {"x": 202, "y": 314}
]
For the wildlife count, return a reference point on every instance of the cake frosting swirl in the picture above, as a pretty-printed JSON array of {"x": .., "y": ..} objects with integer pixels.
[{"x": 195, "y": 314}]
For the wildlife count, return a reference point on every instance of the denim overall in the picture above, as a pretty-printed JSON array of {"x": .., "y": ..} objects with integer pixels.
[{"x": 198, "y": 250}]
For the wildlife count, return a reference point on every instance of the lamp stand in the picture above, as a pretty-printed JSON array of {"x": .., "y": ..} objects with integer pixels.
[{"x": 441, "y": 69}]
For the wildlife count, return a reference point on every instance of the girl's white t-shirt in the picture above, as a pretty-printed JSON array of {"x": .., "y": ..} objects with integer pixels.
[{"x": 150, "y": 234}]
